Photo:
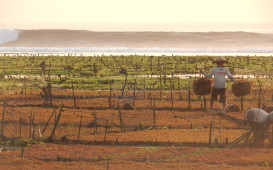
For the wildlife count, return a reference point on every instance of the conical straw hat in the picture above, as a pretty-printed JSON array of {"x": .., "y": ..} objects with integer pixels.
[{"x": 219, "y": 59}]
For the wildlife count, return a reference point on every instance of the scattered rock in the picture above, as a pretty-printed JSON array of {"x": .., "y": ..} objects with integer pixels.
[
  {"x": 127, "y": 106},
  {"x": 233, "y": 108}
]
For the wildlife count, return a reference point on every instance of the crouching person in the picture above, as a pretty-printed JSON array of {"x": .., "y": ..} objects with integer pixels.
[{"x": 259, "y": 121}]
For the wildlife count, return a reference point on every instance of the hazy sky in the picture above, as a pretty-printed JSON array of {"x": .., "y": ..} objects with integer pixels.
[{"x": 135, "y": 11}]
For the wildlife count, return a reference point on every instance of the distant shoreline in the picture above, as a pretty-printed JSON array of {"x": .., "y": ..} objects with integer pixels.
[{"x": 133, "y": 54}]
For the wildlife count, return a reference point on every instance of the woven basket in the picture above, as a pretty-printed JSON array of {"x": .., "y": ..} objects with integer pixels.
[
  {"x": 241, "y": 88},
  {"x": 202, "y": 86}
]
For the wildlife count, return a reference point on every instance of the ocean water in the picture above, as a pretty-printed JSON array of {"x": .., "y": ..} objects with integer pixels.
[{"x": 165, "y": 39}]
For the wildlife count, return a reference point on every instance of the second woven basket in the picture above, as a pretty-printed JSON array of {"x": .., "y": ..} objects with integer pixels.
[
  {"x": 202, "y": 86},
  {"x": 241, "y": 88}
]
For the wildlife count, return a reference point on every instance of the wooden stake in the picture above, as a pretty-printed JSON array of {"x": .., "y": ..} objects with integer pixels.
[
  {"x": 108, "y": 163},
  {"x": 179, "y": 89},
  {"x": 74, "y": 98},
  {"x": 124, "y": 85},
  {"x": 80, "y": 128},
  {"x": 171, "y": 87},
  {"x": 33, "y": 125},
  {"x": 154, "y": 113},
  {"x": 144, "y": 92},
  {"x": 160, "y": 80},
  {"x": 189, "y": 99},
  {"x": 110, "y": 96},
  {"x": 205, "y": 103},
  {"x": 122, "y": 128},
  {"x": 48, "y": 120},
  {"x": 30, "y": 125},
  {"x": 20, "y": 127},
  {"x": 50, "y": 138},
  {"x": 272, "y": 134},
  {"x": 95, "y": 123},
  {"x": 22, "y": 152},
  {"x": 25, "y": 90},
  {"x": 242, "y": 103},
  {"x": 105, "y": 132},
  {"x": 134, "y": 94},
  {"x": 210, "y": 130},
  {"x": 260, "y": 93},
  {"x": 3, "y": 119}
]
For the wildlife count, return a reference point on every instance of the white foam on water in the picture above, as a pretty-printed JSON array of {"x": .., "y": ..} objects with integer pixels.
[
  {"x": 8, "y": 35},
  {"x": 126, "y": 50}
]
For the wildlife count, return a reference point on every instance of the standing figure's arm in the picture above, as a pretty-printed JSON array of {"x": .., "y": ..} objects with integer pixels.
[
  {"x": 229, "y": 75},
  {"x": 208, "y": 75}
]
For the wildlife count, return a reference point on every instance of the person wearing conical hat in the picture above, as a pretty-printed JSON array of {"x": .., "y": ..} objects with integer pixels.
[{"x": 220, "y": 72}]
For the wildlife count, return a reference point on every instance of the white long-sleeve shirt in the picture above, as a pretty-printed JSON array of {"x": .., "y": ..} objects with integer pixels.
[
  {"x": 256, "y": 115},
  {"x": 219, "y": 74}
]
